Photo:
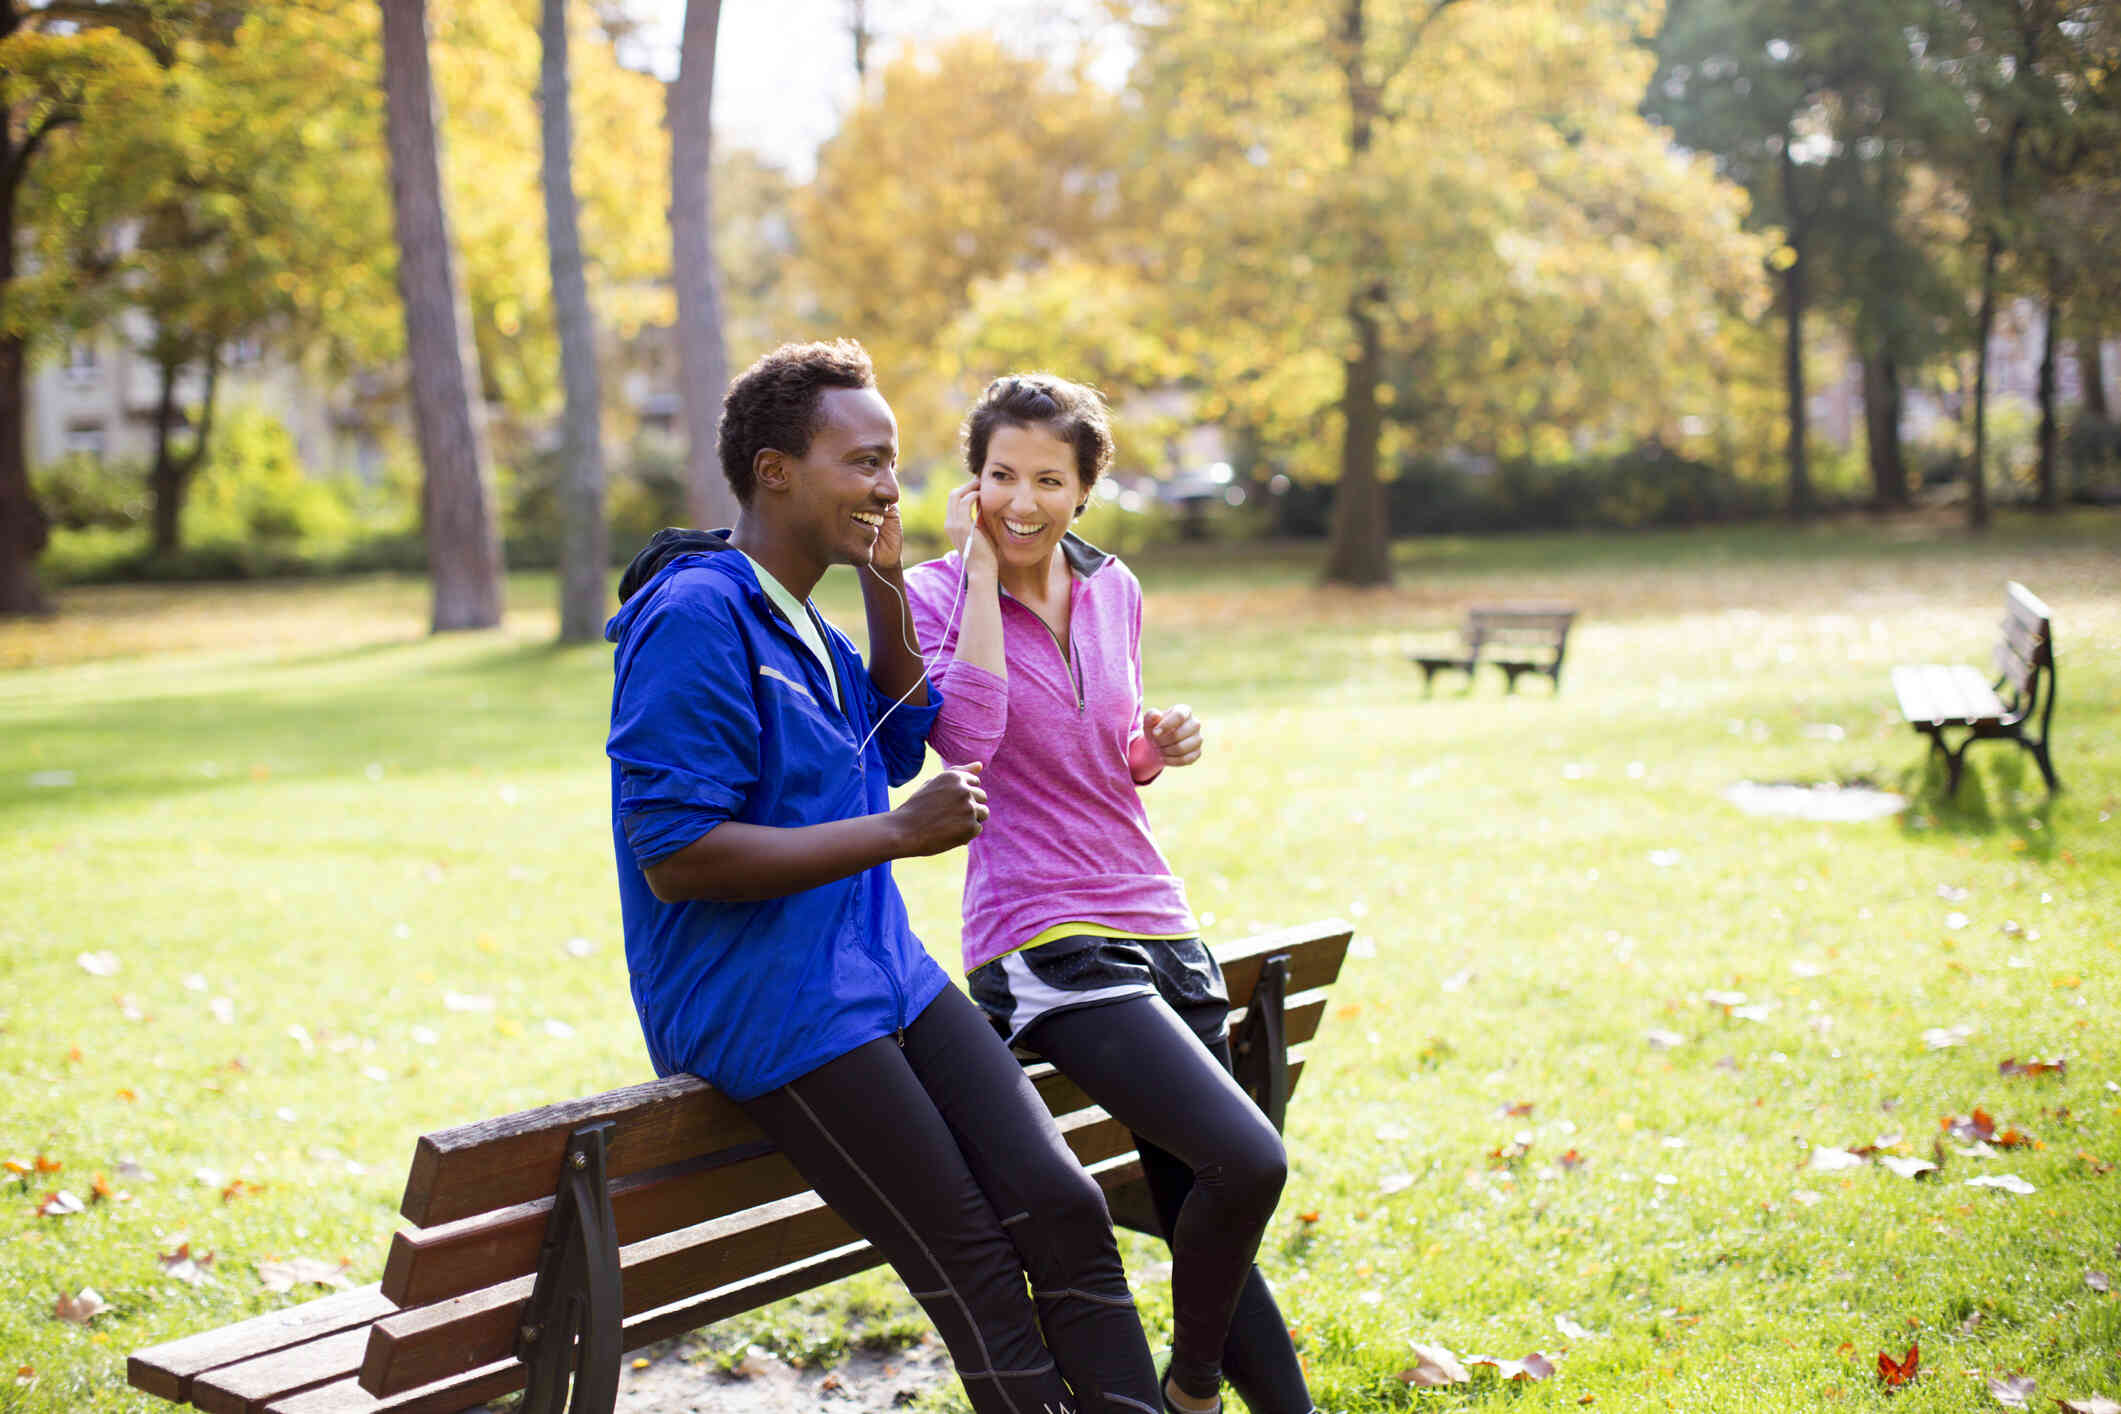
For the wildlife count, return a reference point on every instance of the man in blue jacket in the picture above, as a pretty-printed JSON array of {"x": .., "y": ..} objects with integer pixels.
[{"x": 752, "y": 753}]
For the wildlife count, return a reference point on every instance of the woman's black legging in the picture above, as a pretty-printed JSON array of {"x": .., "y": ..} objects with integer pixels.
[
  {"x": 942, "y": 1155},
  {"x": 1215, "y": 1169}
]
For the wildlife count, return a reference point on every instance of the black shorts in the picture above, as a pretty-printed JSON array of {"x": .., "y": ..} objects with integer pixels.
[{"x": 1020, "y": 988}]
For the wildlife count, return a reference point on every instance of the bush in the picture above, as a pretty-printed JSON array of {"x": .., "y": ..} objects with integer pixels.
[
  {"x": 252, "y": 498},
  {"x": 1648, "y": 486},
  {"x": 79, "y": 492}
]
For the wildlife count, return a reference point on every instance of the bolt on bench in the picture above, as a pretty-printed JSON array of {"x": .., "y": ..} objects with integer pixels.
[
  {"x": 548, "y": 1243},
  {"x": 1938, "y": 697},
  {"x": 1534, "y": 638}
]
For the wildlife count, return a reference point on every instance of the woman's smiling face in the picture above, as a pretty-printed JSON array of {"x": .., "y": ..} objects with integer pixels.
[{"x": 1028, "y": 492}]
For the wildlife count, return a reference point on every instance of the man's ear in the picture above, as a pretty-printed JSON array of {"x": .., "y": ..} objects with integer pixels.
[{"x": 769, "y": 469}]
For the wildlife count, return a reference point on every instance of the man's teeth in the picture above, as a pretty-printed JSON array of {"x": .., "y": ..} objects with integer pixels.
[{"x": 869, "y": 518}]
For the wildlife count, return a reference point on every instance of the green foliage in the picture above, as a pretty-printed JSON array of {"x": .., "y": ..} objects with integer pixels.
[{"x": 252, "y": 491}]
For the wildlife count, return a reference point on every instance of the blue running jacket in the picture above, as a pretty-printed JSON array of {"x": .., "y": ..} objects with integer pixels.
[{"x": 719, "y": 712}]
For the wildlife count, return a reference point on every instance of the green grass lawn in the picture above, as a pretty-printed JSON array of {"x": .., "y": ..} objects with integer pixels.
[{"x": 286, "y": 883}]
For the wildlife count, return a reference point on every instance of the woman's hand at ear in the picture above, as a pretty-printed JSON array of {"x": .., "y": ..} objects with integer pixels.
[{"x": 967, "y": 535}]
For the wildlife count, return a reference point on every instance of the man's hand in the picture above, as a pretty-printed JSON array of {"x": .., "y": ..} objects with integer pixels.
[
  {"x": 961, "y": 523},
  {"x": 944, "y": 813},
  {"x": 890, "y": 545},
  {"x": 1176, "y": 733}
]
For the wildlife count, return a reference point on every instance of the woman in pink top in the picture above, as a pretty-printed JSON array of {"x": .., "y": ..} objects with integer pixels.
[{"x": 1078, "y": 940}]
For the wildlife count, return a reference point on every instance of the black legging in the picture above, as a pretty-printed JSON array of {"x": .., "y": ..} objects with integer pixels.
[
  {"x": 942, "y": 1155},
  {"x": 1215, "y": 1169}
]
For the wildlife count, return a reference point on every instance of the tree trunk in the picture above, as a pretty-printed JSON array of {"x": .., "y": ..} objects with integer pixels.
[
  {"x": 463, "y": 537},
  {"x": 1984, "y": 321},
  {"x": 1361, "y": 549},
  {"x": 169, "y": 482},
  {"x": 23, "y": 527},
  {"x": 165, "y": 487},
  {"x": 1793, "y": 298},
  {"x": 703, "y": 361},
  {"x": 2091, "y": 372},
  {"x": 1881, "y": 422},
  {"x": 585, "y": 545},
  {"x": 858, "y": 22},
  {"x": 2050, "y": 438}
]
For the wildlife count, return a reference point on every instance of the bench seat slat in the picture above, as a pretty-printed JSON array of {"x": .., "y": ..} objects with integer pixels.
[
  {"x": 168, "y": 1370},
  {"x": 246, "y": 1388},
  {"x": 1946, "y": 695}
]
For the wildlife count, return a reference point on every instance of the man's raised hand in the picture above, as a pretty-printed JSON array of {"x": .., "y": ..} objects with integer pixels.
[{"x": 947, "y": 811}]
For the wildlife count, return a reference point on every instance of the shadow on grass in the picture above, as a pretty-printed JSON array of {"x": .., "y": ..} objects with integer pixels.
[
  {"x": 473, "y": 708},
  {"x": 1987, "y": 803}
]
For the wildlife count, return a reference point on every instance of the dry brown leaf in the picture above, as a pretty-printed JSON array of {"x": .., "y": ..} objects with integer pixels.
[
  {"x": 2010, "y": 1391},
  {"x": 1904, "y": 1371},
  {"x": 1532, "y": 1367},
  {"x": 60, "y": 1204},
  {"x": 183, "y": 1266},
  {"x": 2091, "y": 1404},
  {"x": 302, "y": 1271},
  {"x": 2098, "y": 1282},
  {"x": 1433, "y": 1366},
  {"x": 80, "y": 1308},
  {"x": 2012, "y": 1066}
]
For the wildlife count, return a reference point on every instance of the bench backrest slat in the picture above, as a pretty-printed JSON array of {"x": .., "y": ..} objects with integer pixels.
[
  {"x": 2024, "y": 645},
  {"x": 498, "y": 1163},
  {"x": 434, "y": 1264}
]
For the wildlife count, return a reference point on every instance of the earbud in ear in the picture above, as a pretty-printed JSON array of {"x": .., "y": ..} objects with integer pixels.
[{"x": 1081, "y": 507}]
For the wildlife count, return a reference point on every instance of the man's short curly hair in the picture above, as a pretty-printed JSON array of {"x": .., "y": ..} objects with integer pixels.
[
  {"x": 1072, "y": 412},
  {"x": 774, "y": 404}
]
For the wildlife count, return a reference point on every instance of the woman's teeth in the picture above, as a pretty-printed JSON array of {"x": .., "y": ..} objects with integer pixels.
[{"x": 1017, "y": 527}]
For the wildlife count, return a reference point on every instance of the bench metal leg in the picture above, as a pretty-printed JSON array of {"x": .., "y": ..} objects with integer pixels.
[
  {"x": 571, "y": 1325},
  {"x": 1260, "y": 1047}
]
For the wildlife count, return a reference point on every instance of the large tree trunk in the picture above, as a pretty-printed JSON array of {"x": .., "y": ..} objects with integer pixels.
[
  {"x": 585, "y": 546},
  {"x": 2050, "y": 430},
  {"x": 703, "y": 361},
  {"x": 23, "y": 528},
  {"x": 1881, "y": 422},
  {"x": 463, "y": 537},
  {"x": 1361, "y": 549},
  {"x": 1984, "y": 322}
]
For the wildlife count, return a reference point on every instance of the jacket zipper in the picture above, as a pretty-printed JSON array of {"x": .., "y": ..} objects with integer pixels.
[
  {"x": 1067, "y": 658},
  {"x": 872, "y": 952}
]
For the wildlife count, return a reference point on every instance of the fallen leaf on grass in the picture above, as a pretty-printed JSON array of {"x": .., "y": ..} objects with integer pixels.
[
  {"x": 1393, "y": 1182},
  {"x": 2012, "y": 1066},
  {"x": 1834, "y": 1160},
  {"x": 80, "y": 1308},
  {"x": 2010, "y": 1391},
  {"x": 1938, "y": 1038},
  {"x": 302, "y": 1271},
  {"x": 47, "y": 1164},
  {"x": 183, "y": 1266},
  {"x": 2008, "y": 1182},
  {"x": 1571, "y": 1160},
  {"x": 2094, "y": 1404},
  {"x": 1663, "y": 1040},
  {"x": 1507, "y": 1155},
  {"x": 1434, "y": 1366},
  {"x": 1521, "y": 1109},
  {"x": 99, "y": 964},
  {"x": 1909, "y": 1167},
  {"x": 1902, "y": 1371},
  {"x": 1573, "y": 1331},
  {"x": 2098, "y": 1282},
  {"x": 240, "y": 1188},
  {"x": 60, "y": 1204},
  {"x": 1533, "y": 1367}
]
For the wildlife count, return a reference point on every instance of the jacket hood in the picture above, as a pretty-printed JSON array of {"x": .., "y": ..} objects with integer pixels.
[{"x": 664, "y": 549}]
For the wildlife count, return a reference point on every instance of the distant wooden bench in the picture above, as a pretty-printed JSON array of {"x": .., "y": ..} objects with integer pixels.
[
  {"x": 1936, "y": 698},
  {"x": 1533, "y": 638},
  {"x": 548, "y": 1243}
]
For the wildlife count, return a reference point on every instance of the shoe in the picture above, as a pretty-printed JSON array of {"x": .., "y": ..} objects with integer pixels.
[{"x": 1163, "y": 1391}]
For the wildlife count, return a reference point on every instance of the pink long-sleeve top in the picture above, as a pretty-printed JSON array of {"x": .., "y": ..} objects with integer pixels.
[{"x": 1067, "y": 837}]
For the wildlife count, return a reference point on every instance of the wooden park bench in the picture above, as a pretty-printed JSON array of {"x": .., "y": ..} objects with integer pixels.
[
  {"x": 548, "y": 1243},
  {"x": 1939, "y": 697},
  {"x": 1532, "y": 639}
]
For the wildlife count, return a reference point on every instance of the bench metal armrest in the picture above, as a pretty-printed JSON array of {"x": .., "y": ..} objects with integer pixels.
[
  {"x": 577, "y": 1295},
  {"x": 1260, "y": 1047}
]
